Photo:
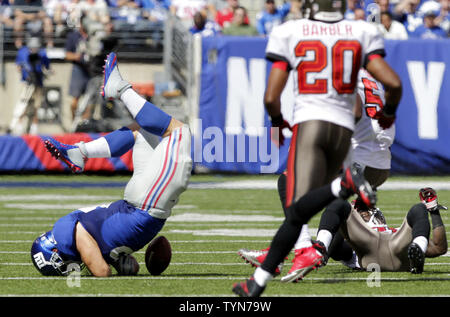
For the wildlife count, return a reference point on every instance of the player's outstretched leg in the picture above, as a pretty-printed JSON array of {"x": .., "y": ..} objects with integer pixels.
[
  {"x": 113, "y": 144},
  {"x": 68, "y": 154},
  {"x": 146, "y": 114}
]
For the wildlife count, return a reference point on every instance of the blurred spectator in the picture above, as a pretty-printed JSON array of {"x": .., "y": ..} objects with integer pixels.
[
  {"x": 224, "y": 17},
  {"x": 215, "y": 6},
  {"x": 384, "y": 5},
  {"x": 352, "y": 5},
  {"x": 6, "y": 17},
  {"x": 406, "y": 12},
  {"x": 360, "y": 14},
  {"x": 124, "y": 14},
  {"x": 204, "y": 26},
  {"x": 271, "y": 16},
  {"x": 76, "y": 53},
  {"x": 30, "y": 14},
  {"x": 185, "y": 9},
  {"x": 155, "y": 10},
  {"x": 152, "y": 4},
  {"x": 391, "y": 29},
  {"x": 140, "y": 15},
  {"x": 57, "y": 11},
  {"x": 95, "y": 10},
  {"x": 441, "y": 9},
  {"x": 33, "y": 64},
  {"x": 444, "y": 17},
  {"x": 429, "y": 29},
  {"x": 239, "y": 26},
  {"x": 296, "y": 10},
  {"x": 91, "y": 50}
]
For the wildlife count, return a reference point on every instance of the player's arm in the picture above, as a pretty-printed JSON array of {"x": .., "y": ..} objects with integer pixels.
[
  {"x": 90, "y": 253},
  {"x": 437, "y": 245},
  {"x": 382, "y": 72},
  {"x": 278, "y": 77}
]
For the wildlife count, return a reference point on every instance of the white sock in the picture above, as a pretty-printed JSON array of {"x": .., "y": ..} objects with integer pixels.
[
  {"x": 336, "y": 187},
  {"x": 304, "y": 239},
  {"x": 97, "y": 148},
  {"x": 325, "y": 237},
  {"x": 422, "y": 242},
  {"x": 262, "y": 277},
  {"x": 133, "y": 101}
]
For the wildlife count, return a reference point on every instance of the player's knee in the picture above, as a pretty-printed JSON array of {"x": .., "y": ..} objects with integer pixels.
[
  {"x": 416, "y": 212},
  {"x": 417, "y": 219}
]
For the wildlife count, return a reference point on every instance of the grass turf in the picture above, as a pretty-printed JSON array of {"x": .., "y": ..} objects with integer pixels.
[{"x": 206, "y": 229}]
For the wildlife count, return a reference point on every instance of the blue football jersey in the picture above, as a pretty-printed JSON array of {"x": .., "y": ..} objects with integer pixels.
[{"x": 117, "y": 225}]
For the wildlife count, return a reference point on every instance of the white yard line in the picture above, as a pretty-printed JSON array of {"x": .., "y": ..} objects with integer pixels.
[{"x": 62, "y": 278}]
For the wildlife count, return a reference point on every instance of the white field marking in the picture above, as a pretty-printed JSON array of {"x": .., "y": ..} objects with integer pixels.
[
  {"x": 229, "y": 278},
  {"x": 173, "y": 241},
  {"x": 26, "y": 225},
  {"x": 272, "y": 185},
  {"x": 197, "y": 217},
  {"x": 21, "y": 232},
  {"x": 46, "y": 206},
  {"x": 59, "y": 211},
  {"x": 56, "y": 197},
  {"x": 229, "y": 232},
  {"x": 185, "y": 252},
  {"x": 189, "y": 217},
  {"x": 20, "y": 219},
  {"x": 143, "y": 263},
  {"x": 67, "y": 206},
  {"x": 143, "y": 252},
  {"x": 213, "y": 263}
]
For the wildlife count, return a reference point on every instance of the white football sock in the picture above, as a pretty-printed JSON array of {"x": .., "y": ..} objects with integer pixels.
[
  {"x": 325, "y": 237},
  {"x": 304, "y": 239},
  {"x": 133, "y": 101},
  {"x": 336, "y": 187},
  {"x": 262, "y": 277},
  {"x": 422, "y": 242},
  {"x": 98, "y": 148}
]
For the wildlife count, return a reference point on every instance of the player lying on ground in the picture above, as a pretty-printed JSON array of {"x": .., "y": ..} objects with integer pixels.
[
  {"x": 108, "y": 234},
  {"x": 393, "y": 249}
]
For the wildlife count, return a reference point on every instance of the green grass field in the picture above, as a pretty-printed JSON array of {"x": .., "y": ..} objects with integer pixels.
[{"x": 206, "y": 229}]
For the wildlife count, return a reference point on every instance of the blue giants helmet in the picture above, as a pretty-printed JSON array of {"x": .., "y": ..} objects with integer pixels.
[{"x": 45, "y": 257}]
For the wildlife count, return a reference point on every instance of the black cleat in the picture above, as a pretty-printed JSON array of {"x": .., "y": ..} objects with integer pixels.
[
  {"x": 249, "y": 288},
  {"x": 416, "y": 258},
  {"x": 353, "y": 182},
  {"x": 319, "y": 246}
]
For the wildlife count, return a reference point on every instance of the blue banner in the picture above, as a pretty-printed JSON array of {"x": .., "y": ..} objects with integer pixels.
[
  {"x": 231, "y": 111},
  {"x": 422, "y": 141}
]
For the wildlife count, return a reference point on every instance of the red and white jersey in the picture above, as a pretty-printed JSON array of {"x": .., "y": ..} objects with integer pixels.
[
  {"x": 380, "y": 227},
  {"x": 370, "y": 143},
  {"x": 326, "y": 58}
]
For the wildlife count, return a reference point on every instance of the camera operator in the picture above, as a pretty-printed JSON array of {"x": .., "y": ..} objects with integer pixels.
[
  {"x": 97, "y": 45},
  {"x": 34, "y": 66},
  {"x": 75, "y": 52}
]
